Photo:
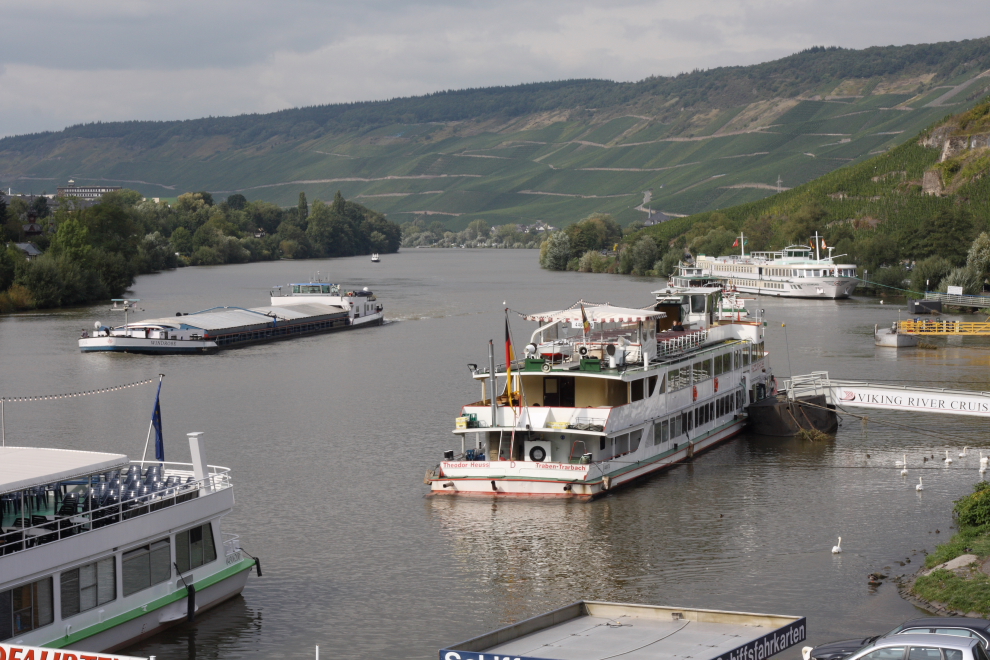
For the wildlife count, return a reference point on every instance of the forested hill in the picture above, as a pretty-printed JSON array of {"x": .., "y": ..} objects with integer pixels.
[{"x": 552, "y": 151}]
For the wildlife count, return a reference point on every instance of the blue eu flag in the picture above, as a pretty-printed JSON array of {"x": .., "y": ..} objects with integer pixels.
[{"x": 156, "y": 422}]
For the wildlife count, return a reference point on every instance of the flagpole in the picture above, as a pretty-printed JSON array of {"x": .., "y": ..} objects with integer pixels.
[{"x": 152, "y": 422}]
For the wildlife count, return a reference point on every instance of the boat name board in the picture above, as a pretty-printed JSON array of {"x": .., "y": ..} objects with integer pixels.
[
  {"x": 513, "y": 464},
  {"x": 21, "y": 652},
  {"x": 877, "y": 397}
]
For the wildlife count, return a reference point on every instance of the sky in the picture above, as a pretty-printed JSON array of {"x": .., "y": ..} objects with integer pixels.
[{"x": 64, "y": 63}]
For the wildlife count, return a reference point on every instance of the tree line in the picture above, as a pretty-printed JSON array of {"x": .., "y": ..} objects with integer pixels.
[{"x": 95, "y": 252}]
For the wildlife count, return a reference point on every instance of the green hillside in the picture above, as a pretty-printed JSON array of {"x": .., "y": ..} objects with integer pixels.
[
  {"x": 554, "y": 152},
  {"x": 910, "y": 214}
]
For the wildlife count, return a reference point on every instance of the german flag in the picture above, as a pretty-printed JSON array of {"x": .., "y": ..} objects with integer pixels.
[
  {"x": 510, "y": 355},
  {"x": 585, "y": 323}
]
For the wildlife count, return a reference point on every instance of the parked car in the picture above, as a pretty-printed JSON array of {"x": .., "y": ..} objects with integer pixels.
[
  {"x": 958, "y": 626},
  {"x": 922, "y": 646}
]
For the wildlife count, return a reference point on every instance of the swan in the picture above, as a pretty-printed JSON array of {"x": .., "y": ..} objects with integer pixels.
[
  {"x": 904, "y": 471},
  {"x": 920, "y": 485},
  {"x": 836, "y": 549},
  {"x": 904, "y": 462},
  {"x": 948, "y": 461},
  {"x": 963, "y": 453}
]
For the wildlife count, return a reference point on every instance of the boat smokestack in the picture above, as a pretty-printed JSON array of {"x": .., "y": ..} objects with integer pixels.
[{"x": 197, "y": 449}]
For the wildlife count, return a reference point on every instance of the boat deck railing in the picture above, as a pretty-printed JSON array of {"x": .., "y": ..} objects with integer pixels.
[
  {"x": 31, "y": 524},
  {"x": 816, "y": 383}
]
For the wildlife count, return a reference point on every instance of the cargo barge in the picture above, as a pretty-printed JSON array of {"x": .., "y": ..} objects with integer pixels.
[
  {"x": 303, "y": 309},
  {"x": 590, "y": 630}
]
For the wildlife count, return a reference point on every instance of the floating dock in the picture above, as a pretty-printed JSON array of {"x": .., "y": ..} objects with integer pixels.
[{"x": 592, "y": 630}]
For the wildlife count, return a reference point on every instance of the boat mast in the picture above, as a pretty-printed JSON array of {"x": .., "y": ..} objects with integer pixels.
[{"x": 492, "y": 390}]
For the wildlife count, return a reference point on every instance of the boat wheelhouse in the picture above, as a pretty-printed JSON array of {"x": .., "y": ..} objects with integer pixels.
[
  {"x": 302, "y": 309},
  {"x": 588, "y": 410},
  {"x": 797, "y": 271},
  {"x": 97, "y": 552}
]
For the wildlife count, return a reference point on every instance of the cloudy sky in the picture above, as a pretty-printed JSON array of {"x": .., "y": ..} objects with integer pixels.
[{"x": 63, "y": 63}]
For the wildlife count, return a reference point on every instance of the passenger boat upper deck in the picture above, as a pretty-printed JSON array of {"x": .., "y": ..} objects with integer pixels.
[{"x": 97, "y": 552}]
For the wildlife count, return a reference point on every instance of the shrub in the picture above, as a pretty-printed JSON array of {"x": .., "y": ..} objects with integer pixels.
[{"x": 974, "y": 509}]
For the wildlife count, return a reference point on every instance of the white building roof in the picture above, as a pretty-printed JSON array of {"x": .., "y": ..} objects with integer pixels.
[
  {"x": 24, "y": 467},
  {"x": 597, "y": 314}
]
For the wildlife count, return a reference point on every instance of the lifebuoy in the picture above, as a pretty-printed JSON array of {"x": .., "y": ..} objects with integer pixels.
[
  {"x": 695, "y": 394},
  {"x": 716, "y": 384}
]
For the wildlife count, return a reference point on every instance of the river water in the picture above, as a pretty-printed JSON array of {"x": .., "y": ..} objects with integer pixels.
[{"x": 329, "y": 438}]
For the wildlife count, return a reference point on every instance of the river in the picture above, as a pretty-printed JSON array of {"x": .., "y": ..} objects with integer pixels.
[{"x": 329, "y": 437}]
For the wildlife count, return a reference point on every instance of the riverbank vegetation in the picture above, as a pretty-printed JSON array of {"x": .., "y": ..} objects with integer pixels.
[
  {"x": 913, "y": 218},
  {"x": 963, "y": 590},
  {"x": 478, "y": 234},
  {"x": 94, "y": 253}
]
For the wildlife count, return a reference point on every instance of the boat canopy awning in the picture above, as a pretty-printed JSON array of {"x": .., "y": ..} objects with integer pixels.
[
  {"x": 24, "y": 467},
  {"x": 596, "y": 314}
]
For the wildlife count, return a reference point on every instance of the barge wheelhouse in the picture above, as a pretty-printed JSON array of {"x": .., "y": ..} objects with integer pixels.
[
  {"x": 97, "y": 552},
  {"x": 588, "y": 410}
]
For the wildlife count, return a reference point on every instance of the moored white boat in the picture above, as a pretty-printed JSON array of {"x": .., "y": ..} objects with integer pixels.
[
  {"x": 97, "y": 552},
  {"x": 638, "y": 391},
  {"x": 797, "y": 271}
]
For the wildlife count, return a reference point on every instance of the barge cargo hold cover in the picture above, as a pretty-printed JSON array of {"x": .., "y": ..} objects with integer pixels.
[
  {"x": 591, "y": 630},
  {"x": 220, "y": 327}
]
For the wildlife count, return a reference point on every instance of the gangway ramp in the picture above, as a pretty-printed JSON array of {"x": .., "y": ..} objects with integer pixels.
[
  {"x": 884, "y": 396},
  {"x": 944, "y": 328}
]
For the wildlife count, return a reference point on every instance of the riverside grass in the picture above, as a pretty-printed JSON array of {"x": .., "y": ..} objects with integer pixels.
[{"x": 964, "y": 593}]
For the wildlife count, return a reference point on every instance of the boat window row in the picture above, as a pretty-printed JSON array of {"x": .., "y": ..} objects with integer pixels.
[
  {"x": 672, "y": 428},
  {"x": 31, "y": 606},
  {"x": 620, "y": 444},
  {"x": 773, "y": 285},
  {"x": 686, "y": 375},
  {"x": 825, "y": 272}
]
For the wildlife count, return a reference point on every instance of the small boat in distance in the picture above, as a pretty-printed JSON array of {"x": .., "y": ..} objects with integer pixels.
[
  {"x": 305, "y": 308},
  {"x": 375, "y": 258}
]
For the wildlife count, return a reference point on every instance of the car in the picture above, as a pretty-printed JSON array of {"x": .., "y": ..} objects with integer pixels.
[
  {"x": 957, "y": 625},
  {"x": 922, "y": 646}
]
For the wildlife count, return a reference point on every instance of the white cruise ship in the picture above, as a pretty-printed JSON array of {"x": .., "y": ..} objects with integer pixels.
[
  {"x": 606, "y": 395},
  {"x": 797, "y": 271},
  {"x": 97, "y": 552}
]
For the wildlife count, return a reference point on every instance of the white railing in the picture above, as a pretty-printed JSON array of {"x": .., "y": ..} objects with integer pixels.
[
  {"x": 231, "y": 544},
  {"x": 980, "y": 302},
  {"x": 682, "y": 343},
  {"x": 814, "y": 384},
  {"x": 21, "y": 537}
]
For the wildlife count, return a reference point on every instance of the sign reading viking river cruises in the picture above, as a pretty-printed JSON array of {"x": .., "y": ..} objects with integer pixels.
[{"x": 893, "y": 398}]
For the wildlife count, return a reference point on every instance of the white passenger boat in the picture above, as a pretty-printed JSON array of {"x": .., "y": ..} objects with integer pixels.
[
  {"x": 375, "y": 258},
  {"x": 797, "y": 271},
  {"x": 97, "y": 552},
  {"x": 592, "y": 408},
  {"x": 300, "y": 310}
]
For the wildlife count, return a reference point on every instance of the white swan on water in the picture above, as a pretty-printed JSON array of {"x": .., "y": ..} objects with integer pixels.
[
  {"x": 920, "y": 485},
  {"x": 983, "y": 463},
  {"x": 903, "y": 462},
  {"x": 904, "y": 471},
  {"x": 836, "y": 549},
  {"x": 962, "y": 454},
  {"x": 948, "y": 461}
]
